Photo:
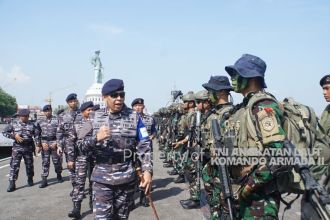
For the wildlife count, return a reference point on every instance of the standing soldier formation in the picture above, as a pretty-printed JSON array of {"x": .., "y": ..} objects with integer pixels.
[{"x": 115, "y": 142}]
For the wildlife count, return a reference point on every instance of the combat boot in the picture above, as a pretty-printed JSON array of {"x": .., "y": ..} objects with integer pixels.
[
  {"x": 44, "y": 182},
  {"x": 75, "y": 213},
  {"x": 143, "y": 199},
  {"x": 166, "y": 165},
  {"x": 190, "y": 204},
  {"x": 30, "y": 181},
  {"x": 59, "y": 178},
  {"x": 11, "y": 186},
  {"x": 180, "y": 179},
  {"x": 172, "y": 172}
]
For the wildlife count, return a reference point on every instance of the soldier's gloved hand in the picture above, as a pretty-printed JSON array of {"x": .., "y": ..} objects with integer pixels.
[
  {"x": 70, "y": 165},
  {"x": 59, "y": 151},
  {"x": 103, "y": 133},
  {"x": 45, "y": 146},
  {"x": 18, "y": 138},
  {"x": 147, "y": 179}
]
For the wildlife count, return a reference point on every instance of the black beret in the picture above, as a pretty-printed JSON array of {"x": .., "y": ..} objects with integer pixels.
[
  {"x": 137, "y": 101},
  {"x": 47, "y": 108},
  {"x": 60, "y": 111},
  {"x": 24, "y": 112},
  {"x": 96, "y": 107},
  {"x": 86, "y": 105},
  {"x": 112, "y": 85},
  {"x": 325, "y": 80},
  {"x": 71, "y": 96}
]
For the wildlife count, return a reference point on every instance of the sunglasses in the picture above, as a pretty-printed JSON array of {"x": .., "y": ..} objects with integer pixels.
[{"x": 116, "y": 94}]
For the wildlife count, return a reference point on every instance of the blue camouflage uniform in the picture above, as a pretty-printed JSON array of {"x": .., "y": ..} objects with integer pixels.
[
  {"x": 114, "y": 174},
  {"x": 27, "y": 131}
]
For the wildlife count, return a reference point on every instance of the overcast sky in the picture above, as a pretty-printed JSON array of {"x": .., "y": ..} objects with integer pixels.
[{"x": 153, "y": 46}]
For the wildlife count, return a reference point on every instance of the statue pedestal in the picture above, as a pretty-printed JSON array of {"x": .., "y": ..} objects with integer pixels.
[{"x": 94, "y": 94}]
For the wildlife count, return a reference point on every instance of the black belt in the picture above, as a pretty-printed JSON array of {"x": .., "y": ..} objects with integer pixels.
[
  {"x": 112, "y": 160},
  {"x": 48, "y": 138}
]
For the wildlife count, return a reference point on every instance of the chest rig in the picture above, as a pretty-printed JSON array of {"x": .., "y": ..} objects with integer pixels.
[
  {"x": 217, "y": 113},
  {"x": 242, "y": 129},
  {"x": 123, "y": 128}
]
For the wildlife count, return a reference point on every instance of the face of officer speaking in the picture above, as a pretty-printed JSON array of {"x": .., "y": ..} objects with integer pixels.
[
  {"x": 115, "y": 101},
  {"x": 326, "y": 92},
  {"x": 73, "y": 103},
  {"x": 24, "y": 119},
  {"x": 138, "y": 108},
  {"x": 48, "y": 113},
  {"x": 87, "y": 112},
  {"x": 185, "y": 105}
]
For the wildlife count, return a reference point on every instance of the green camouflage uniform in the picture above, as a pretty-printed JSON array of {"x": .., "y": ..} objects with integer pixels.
[
  {"x": 256, "y": 123},
  {"x": 210, "y": 174}
]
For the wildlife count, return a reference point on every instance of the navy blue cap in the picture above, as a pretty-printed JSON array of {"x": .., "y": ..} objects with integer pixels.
[
  {"x": 218, "y": 83},
  {"x": 24, "y": 112},
  {"x": 248, "y": 66},
  {"x": 86, "y": 105},
  {"x": 112, "y": 85},
  {"x": 60, "y": 111},
  {"x": 137, "y": 101},
  {"x": 325, "y": 80},
  {"x": 47, "y": 108},
  {"x": 71, "y": 96},
  {"x": 96, "y": 107}
]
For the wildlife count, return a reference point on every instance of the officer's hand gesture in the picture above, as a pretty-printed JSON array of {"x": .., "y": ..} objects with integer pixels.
[
  {"x": 103, "y": 133},
  {"x": 18, "y": 138},
  {"x": 146, "y": 183},
  {"x": 59, "y": 151},
  {"x": 45, "y": 146}
]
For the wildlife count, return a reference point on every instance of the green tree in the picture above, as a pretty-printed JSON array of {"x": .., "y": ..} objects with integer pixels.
[{"x": 8, "y": 104}]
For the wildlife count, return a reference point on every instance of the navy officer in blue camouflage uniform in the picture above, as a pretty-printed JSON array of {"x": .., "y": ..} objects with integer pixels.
[
  {"x": 65, "y": 123},
  {"x": 84, "y": 162},
  {"x": 118, "y": 133},
  {"x": 48, "y": 147},
  {"x": 22, "y": 131},
  {"x": 149, "y": 122}
]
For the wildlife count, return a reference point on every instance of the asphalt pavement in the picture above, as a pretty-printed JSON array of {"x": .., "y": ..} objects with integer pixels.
[{"x": 53, "y": 202}]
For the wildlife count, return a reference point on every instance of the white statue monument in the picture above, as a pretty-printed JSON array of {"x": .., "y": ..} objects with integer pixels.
[
  {"x": 94, "y": 92},
  {"x": 96, "y": 61}
]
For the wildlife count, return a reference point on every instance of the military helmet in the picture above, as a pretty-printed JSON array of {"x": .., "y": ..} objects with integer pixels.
[
  {"x": 188, "y": 97},
  {"x": 248, "y": 66},
  {"x": 202, "y": 95}
]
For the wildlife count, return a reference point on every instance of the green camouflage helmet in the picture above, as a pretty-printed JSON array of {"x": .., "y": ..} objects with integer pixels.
[
  {"x": 202, "y": 95},
  {"x": 188, "y": 97}
]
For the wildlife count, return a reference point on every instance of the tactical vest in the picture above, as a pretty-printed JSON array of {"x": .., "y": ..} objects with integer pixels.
[
  {"x": 240, "y": 131},
  {"x": 207, "y": 136},
  {"x": 48, "y": 128},
  {"x": 123, "y": 131},
  {"x": 111, "y": 165}
]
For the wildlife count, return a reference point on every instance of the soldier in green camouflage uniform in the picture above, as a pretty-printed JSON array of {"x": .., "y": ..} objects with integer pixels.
[
  {"x": 307, "y": 210},
  {"x": 219, "y": 90},
  {"x": 180, "y": 146},
  {"x": 255, "y": 123}
]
